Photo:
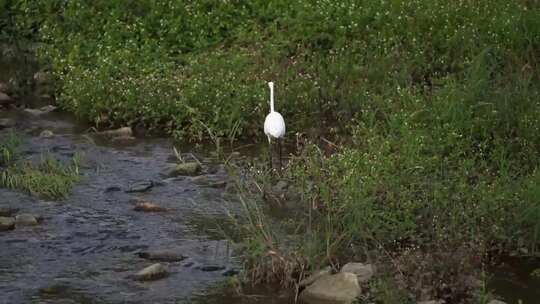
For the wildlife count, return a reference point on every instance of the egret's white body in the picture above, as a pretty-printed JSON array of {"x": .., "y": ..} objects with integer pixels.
[{"x": 274, "y": 125}]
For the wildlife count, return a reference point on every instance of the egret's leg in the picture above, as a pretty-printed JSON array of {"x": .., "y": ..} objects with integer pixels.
[
  {"x": 270, "y": 151},
  {"x": 279, "y": 147}
]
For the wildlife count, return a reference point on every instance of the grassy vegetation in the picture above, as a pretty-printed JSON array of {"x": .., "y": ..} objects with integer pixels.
[
  {"x": 436, "y": 104},
  {"x": 47, "y": 178},
  {"x": 171, "y": 65},
  {"x": 9, "y": 148}
]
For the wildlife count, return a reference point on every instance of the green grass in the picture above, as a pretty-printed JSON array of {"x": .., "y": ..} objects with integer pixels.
[
  {"x": 9, "y": 148},
  {"x": 49, "y": 178},
  {"x": 171, "y": 65}
]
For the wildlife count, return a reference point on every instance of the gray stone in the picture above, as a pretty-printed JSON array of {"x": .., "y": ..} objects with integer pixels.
[
  {"x": 4, "y": 98},
  {"x": 210, "y": 268},
  {"x": 315, "y": 276},
  {"x": 6, "y": 123},
  {"x": 340, "y": 288},
  {"x": 364, "y": 272},
  {"x": 152, "y": 272},
  {"x": 162, "y": 256},
  {"x": 112, "y": 189},
  {"x": 124, "y": 131},
  {"x": 431, "y": 302},
  {"x": 26, "y": 219},
  {"x": 140, "y": 187},
  {"x": 8, "y": 211},
  {"x": 496, "y": 302},
  {"x": 46, "y": 134},
  {"x": 41, "y": 111},
  {"x": 6, "y": 223},
  {"x": 230, "y": 272},
  {"x": 189, "y": 168}
]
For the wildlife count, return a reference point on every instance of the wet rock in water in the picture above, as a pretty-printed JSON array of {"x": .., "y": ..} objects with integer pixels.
[
  {"x": 152, "y": 272},
  {"x": 113, "y": 189},
  {"x": 140, "y": 187},
  {"x": 6, "y": 223},
  {"x": 188, "y": 264},
  {"x": 204, "y": 180},
  {"x": 6, "y": 123},
  {"x": 121, "y": 132},
  {"x": 364, "y": 272},
  {"x": 315, "y": 276},
  {"x": 339, "y": 288},
  {"x": 210, "y": 268},
  {"x": 219, "y": 169},
  {"x": 230, "y": 272},
  {"x": 26, "y": 219},
  {"x": 162, "y": 256},
  {"x": 5, "y": 99},
  {"x": 189, "y": 168},
  {"x": 123, "y": 139},
  {"x": 41, "y": 111},
  {"x": 51, "y": 290},
  {"x": 46, "y": 134},
  {"x": 148, "y": 207},
  {"x": 496, "y": 302},
  {"x": 8, "y": 211}
]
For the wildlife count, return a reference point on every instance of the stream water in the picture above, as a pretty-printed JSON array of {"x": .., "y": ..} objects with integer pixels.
[{"x": 86, "y": 246}]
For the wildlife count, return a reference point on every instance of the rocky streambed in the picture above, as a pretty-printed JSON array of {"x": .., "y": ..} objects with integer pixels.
[{"x": 128, "y": 214}]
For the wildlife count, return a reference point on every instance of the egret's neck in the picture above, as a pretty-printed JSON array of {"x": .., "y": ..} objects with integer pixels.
[{"x": 271, "y": 99}]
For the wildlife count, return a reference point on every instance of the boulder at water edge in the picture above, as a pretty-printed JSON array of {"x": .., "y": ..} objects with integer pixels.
[
  {"x": 364, "y": 272},
  {"x": 315, "y": 276},
  {"x": 188, "y": 168},
  {"x": 5, "y": 99},
  {"x": 340, "y": 288},
  {"x": 26, "y": 219}
]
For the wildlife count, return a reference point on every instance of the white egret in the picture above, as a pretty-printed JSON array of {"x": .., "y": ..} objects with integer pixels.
[{"x": 274, "y": 125}]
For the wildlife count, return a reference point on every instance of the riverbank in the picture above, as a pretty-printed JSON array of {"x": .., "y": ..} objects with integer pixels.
[{"x": 415, "y": 122}]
